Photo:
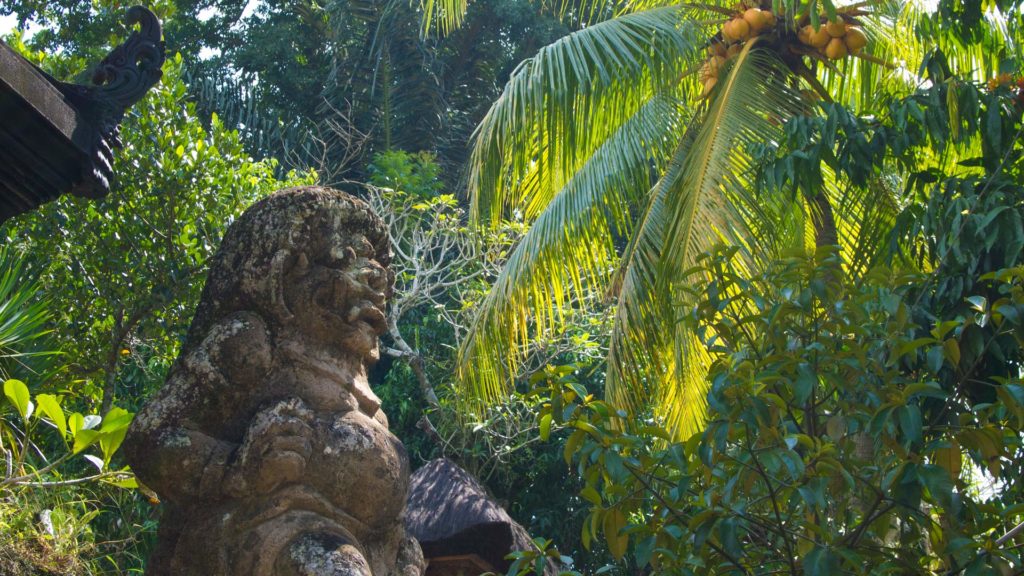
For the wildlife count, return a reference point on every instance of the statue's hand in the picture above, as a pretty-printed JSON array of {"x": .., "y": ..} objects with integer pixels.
[{"x": 274, "y": 451}]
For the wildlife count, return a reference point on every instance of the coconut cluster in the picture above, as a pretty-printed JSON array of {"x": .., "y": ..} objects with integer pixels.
[
  {"x": 748, "y": 23},
  {"x": 1015, "y": 85},
  {"x": 836, "y": 39}
]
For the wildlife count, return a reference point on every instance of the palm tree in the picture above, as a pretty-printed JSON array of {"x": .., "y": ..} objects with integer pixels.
[{"x": 646, "y": 125}]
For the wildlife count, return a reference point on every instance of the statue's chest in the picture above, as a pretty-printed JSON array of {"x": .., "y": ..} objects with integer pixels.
[{"x": 359, "y": 466}]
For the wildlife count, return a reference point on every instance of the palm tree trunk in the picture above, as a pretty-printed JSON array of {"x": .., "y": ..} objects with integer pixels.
[
  {"x": 826, "y": 234},
  {"x": 823, "y": 220}
]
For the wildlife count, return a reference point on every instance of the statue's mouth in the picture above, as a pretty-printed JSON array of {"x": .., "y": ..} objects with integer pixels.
[
  {"x": 363, "y": 304},
  {"x": 368, "y": 313}
]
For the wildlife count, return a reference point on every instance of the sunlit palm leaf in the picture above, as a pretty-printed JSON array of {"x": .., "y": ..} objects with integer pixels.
[
  {"x": 704, "y": 198},
  {"x": 561, "y": 105},
  {"x": 542, "y": 148},
  {"x": 568, "y": 251}
]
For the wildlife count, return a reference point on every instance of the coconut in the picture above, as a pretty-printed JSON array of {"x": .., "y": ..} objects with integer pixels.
[
  {"x": 733, "y": 50},
  {"x": 836, "y": 29},
  {"x": 818, "y": 38},
  {"x": 804, "y": 35},
  {"x": 706, "y": 71},
  {"x": 717, "y": 49},
  {"x": 855, "y": 39},
  {"x": 728, "y": 32},
  {"x": 741, "y": 29},
  {"x": 754, "y": 18},
  {"x": 836, "y": 49}
]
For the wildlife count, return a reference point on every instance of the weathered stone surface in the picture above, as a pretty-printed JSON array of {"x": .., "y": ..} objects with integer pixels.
[{"x": 266, "y": 442}]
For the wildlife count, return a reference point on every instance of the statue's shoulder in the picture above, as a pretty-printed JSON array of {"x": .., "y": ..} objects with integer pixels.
[
  {"x": 237, "y": 347},
  {"x": 226, "y": 331}
]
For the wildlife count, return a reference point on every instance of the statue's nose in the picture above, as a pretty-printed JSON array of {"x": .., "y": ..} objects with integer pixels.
[{"x": 375, "y": 276}]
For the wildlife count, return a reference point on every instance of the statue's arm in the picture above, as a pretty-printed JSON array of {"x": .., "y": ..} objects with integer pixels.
[{"x": 166, "y": 446}]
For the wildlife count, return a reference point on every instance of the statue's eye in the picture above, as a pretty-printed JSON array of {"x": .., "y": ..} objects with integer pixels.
[{"x": 339, "y": 258}]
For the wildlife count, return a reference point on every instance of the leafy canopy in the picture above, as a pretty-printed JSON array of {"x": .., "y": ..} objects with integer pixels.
[{"x": 634, "y": 145}]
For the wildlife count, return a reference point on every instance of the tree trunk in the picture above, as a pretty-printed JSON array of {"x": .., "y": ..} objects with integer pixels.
[
  {"x": 110, "y": 367},
  {"x": 823, "y": 220},
  {"x": 405, "y": 352}
]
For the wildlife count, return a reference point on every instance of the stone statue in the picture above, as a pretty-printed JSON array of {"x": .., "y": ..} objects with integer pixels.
[{"x": 266, "y": 443}]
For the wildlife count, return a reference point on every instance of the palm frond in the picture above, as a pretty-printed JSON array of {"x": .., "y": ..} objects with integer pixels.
[
  {"x": 23, "y": 315},
  {"x": 705, "y": 197},
  {"x": 561, "y": 105},
  {"x": 442, "y": 16},
  {"x": 568, "y": 253}
]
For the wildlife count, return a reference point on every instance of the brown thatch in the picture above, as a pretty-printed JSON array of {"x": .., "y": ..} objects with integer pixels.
[{"x": 451, "y": 515}]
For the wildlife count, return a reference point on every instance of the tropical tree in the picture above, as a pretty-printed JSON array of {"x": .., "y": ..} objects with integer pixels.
[
  {"x": 856, "y": 422},
  {"x": 636, "y": 143},
  {"x": 359, "y": 79}
]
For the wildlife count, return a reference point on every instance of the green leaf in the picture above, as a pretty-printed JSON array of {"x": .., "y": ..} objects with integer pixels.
[
  {"x": 110, "y": 441},
  {"x": 908, "y": 347},
  {"x": 804, "y": 384},
  {"x": 728, "y": 535},
  {"x": 936, "y": 479},
  {"x": 821, "y": 562},
  {"x": 83, "y": 439},
  {"x": 591, "y": 495},
  {"x": 116, "y": 420},
  {"x": 75, "y": 423},
  {"x": 879, "y": 421},
  {"x": 572, "y": 444},
  {"x": 978, "y": 303},
  {"x": 952, "y": 348},
  {"x": 614, "y": 522},
  {"x": 950, "y": 459},
  {"x": 926, "y": 389},
  {"x": 545, "y": 427},
  {"x": 50, "y": 407},
  {"x": 909, "y": 417},
  {"x": 17, "y": 393}
]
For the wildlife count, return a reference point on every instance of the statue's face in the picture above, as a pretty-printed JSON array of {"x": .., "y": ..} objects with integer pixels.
[{"x": 338, "y": 297}]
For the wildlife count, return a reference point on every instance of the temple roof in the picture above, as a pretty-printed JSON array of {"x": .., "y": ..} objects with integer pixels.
[
  {"x": 456, "y": 522},
  {"x": 58, "y": 138}
]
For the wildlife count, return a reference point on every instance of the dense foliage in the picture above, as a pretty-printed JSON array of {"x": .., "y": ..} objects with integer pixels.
[
  {"x": 124, "y": 273},
  {"x": 841, "y": 438},
  {"x": 864, "y": 415},
  {"x": 747, "y": 297},
  {"x": 121, "y": 278}
]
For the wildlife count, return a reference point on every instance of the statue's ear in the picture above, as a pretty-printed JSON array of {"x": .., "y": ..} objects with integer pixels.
[
  {"x": 350, "y": 256},
  {"x": 278, "y": 268}
]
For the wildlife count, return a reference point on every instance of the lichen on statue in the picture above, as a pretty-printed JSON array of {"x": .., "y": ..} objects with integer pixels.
[{"x": 266, "y": 442}]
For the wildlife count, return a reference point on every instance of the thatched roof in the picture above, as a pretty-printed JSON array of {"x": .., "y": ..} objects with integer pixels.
[{"x": 451, "y": 514}]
